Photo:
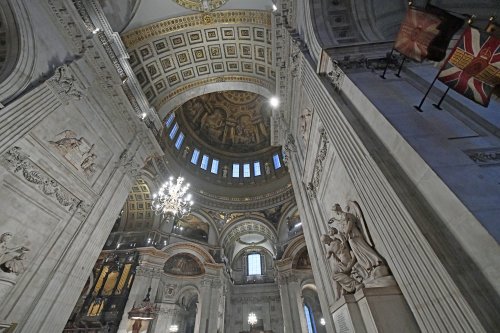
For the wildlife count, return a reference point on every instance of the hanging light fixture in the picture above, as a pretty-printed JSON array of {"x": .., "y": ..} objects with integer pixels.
[
  {"x": 252, "y": 319},
  {"x": 145, "y": 311},
  {"x": 172, "y": 199}
]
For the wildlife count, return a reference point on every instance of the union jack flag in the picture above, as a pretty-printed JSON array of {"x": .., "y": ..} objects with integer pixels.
[{"x": 473, "y": 67}]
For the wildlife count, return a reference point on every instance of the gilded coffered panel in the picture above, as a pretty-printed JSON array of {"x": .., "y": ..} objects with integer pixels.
[
  {"x": 175, "y": 55},
  {"x": 198, "y": 5}
]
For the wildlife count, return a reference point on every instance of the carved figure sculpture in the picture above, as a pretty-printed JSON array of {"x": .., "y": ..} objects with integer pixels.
[
  {"x": 356, "y": 263},
  {"x": 267, "y": 168},
  {"x": 76, "y": 150},
  {"x": 343, "y": 263},
  {"x": 347, "y": 225},
  {"x": 11, "y": 258}
]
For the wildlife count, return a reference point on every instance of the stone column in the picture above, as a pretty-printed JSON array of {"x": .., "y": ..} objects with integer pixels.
[
  {"x": 289, "y": 291},
  {"x": 170, "y": 314},
  {"x": 210, "y": 292},
  {"x": 313, "y": 226},
  {"x": 145, "y": 277}
]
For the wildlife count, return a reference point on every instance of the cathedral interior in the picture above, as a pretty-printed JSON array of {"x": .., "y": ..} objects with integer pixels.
[{"x": 242, "y": 167}]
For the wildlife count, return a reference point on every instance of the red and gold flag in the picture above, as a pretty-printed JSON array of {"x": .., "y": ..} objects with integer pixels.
[
  {"x": 473, "y": 67},
  {"x": 426, "y": 33},
  {"x": 416, "y": 33}
]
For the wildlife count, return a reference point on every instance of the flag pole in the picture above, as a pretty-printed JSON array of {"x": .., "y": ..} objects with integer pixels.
[
  {"x": 419, "y": 107},
  {"x": 387, "y": 64},
  {"x": 438, "y": 105},
  {"x": 400, "y": 67}
]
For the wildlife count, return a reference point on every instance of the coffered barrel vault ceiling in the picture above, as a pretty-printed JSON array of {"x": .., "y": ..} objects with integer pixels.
[{"x": 175, "y": 55}]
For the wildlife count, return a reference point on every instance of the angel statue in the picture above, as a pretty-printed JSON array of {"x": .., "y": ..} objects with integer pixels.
[
  {"x": 352, "y": 227},
  {"x": 344, "y": 262},
  {"x": 11, "y": 258}
]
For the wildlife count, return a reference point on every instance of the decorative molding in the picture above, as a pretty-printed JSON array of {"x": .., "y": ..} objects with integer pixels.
[
  {"x": 16, "y": 161},
  {"x": 202, "y": 82},
  {"x": 313, "y": 185},
  {"x": 258, "y": 17},
  {"x": 148, "y": 272},
  {"x": 255, "y": 299},
  {"x": 126, "y": 161},
  {"x": 202, "y": 6},
  {"x": 336, "y": 75}
]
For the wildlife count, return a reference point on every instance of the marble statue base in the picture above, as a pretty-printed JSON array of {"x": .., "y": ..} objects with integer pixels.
[{"x": 374, "y": 309}]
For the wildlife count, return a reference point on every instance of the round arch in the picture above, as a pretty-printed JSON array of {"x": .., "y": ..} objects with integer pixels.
[
  {"x": 184, "y": 247},
  {"x": 17, "y": 71},
  {"x": 185, "y": 96}
]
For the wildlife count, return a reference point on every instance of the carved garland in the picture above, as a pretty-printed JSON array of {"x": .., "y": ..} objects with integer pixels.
[
  {"x": 313, "y": 185},
  {"x": 19, "y": 162}
]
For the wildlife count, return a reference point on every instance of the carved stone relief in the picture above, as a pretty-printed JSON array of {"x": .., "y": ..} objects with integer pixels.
[
  {"x": 126, "y": 161},
  {"x": 336, "y": 75},
  {"x": 12, "y": 258},
  {"x": 12, "y": 262},
  {"x": 356, "y": 264},
  {"x": 18, "y": 162},
  {"x": 169, "y": 290},
  {"x": 312, "y": 186},
  {"x": 304, "y": 127},
  {"x": 77, "y": 151},
  {"x": 64, "y": 84},
  {"x": 485, "y": 156}
]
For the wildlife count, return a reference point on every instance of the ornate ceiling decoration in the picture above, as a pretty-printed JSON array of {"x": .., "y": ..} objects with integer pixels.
[
  {"x": 201, "y": 5},
  {"x": 231, "y": 121},
  {"x": 173, "y": 56}
]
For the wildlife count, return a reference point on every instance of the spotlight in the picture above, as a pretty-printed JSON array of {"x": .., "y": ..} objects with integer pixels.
[
  {"x": 322, "y": 321},
  {"x": 274, "y": 8},
  {"x": 143, "y": 115},
  {"x": 274, "y": 101}
]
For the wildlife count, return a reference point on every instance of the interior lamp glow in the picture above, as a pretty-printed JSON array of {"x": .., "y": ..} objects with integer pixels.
[
  {"x": 252, "y": 319},
  {"x": 274, "y": 101},
  {"x": 174, "y": 328},
  {"x": 172, "y": 199},
  {"x": 322, "y": 321}
]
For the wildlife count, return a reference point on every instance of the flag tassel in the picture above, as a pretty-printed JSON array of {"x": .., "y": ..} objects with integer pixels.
[
  {"x": 400, "y": 67},
  {"x": 419, "y": 106},
  {"x": 387, "y": 64},
  {"x": 438, "y": 105}
]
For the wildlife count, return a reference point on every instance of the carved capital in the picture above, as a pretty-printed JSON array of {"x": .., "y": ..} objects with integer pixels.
[{"x": 126, "y": 161}]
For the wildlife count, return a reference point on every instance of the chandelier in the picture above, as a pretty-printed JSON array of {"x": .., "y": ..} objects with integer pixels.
[
  {"x": 252, "y": 319},
  {"x": 172, "y": 199}
]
